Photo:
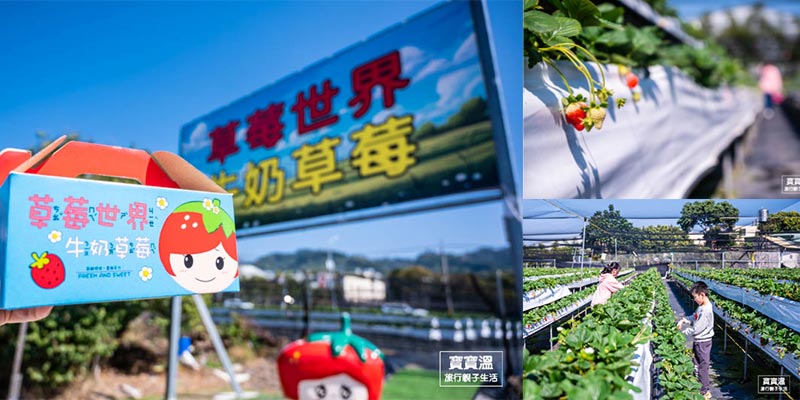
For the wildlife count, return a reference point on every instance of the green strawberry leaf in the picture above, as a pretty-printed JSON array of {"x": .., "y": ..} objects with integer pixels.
[{"x": 550, "y": 26}]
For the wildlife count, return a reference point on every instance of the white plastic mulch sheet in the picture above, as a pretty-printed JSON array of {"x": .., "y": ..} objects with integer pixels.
[
  {"x": 555, "y": 316},
  {"x": 641, "y": 375},
  {"x": 658, "y": 147},
  {"x": 540, "y": 297},
  {"x": 778, "y": 308},
  {"x": 545, "y": 296}
]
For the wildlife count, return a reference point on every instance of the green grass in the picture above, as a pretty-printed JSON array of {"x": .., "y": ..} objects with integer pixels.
[
  {"x": 406, "y": 384},
  {"x": 415, "y": 384}
]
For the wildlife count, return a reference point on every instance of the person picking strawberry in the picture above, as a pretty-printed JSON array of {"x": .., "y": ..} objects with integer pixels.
[{"x": 701, "y": 331}]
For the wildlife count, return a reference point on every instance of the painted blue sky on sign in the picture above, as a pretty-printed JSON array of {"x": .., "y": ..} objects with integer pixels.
[{"x": 438, "y": 54}]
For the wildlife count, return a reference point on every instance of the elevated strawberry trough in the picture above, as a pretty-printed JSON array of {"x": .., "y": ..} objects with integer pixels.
[
  {"x": 657, "y": 147},
  {"x": 772, "y": 337},
  {"x": 776, "y": 307},
  {"x": 610, "y": 352}
]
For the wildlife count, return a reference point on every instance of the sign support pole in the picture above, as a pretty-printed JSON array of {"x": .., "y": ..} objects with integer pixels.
[
  {"x": 512, "y": 217},
  {"x": 174, "y": 337},
  {"x": 16, "y": 375}
]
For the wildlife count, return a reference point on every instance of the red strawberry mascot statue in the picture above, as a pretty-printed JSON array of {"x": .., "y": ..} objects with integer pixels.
[{"x": 332, "y": 365}]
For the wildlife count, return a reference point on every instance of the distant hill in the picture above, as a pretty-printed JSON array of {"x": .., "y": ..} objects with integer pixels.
[{"x": 480, "y": 260}]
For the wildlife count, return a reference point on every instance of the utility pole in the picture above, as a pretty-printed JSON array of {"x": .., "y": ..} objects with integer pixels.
[
  {"x": 330, "y": 265},
  {"x": 615, "y": 249},
  {"x": 583, "y": 244},
  {"x": 446, "y": 278}
]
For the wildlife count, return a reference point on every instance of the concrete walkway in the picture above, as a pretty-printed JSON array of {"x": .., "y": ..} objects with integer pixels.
[{"x": 773, "y": 151}]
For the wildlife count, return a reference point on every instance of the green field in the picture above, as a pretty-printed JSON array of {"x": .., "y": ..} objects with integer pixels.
[{"x": 415, "y": 384}]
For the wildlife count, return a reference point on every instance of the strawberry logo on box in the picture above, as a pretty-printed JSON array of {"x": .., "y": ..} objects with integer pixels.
[
  {"x": 47, "y": 270},
  {"x": 197, "y": 246}
]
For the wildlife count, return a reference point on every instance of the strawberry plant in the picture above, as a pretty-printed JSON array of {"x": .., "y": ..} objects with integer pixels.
[
  {"x": 765, "y": 287},
  {"x": 675, "y": 371},
  {"x": 575, "y": 32},
  {"x": 528, "y": 272},
  {"x": 545, "y": 283},
  {"x": 546, "y": 311},
  {"x": 768, "y": 273},
  {"x": 773, "y": 333},
  {"x": 593, "y": 357},
  {"x": 549, "y": 38}
]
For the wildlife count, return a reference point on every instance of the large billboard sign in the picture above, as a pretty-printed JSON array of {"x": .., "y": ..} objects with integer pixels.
[{"x": 402, "y": 116}]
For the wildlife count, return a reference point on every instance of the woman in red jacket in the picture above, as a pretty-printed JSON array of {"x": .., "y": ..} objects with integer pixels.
[{"x": 607, "y": 285}]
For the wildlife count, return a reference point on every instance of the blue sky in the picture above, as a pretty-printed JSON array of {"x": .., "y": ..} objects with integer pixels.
[
  {"x": 129, "y": 73},
  {"x": 690, "y": 9}
]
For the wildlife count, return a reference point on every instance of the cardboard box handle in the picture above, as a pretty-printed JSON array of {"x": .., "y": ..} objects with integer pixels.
[{"x": 78, "y": 158}]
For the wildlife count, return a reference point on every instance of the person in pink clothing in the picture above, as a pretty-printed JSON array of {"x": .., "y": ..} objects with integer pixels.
[
  {"x": 771, "y": 83},
  {"x": 607, "y": 285}
]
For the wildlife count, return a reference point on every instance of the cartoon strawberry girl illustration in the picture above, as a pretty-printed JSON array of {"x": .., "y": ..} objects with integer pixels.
[
  {"x": 331, "y": 365},
  {"x": 197, "y": 247}
]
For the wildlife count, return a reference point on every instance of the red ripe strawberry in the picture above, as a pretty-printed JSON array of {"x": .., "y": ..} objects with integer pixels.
[
  {"x": 631, "y": 80},
  {"x": 47, "y": 270},
  {"x": 575, "y": 115}
]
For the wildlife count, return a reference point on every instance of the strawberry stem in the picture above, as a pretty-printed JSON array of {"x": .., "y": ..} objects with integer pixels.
[{"x": 563, "y": 78}]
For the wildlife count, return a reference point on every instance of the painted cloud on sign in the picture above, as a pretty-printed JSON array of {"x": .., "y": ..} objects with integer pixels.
[{"x": 198, "y": 138}]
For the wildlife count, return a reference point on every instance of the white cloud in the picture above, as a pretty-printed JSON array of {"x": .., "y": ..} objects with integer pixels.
[
  {"x": 448, "y": 87},
  {"x": 198, "y": 139},
  {"x": 453, "y": 89},
  {"x": 241, "y": 134},
  {"x": 410, "y": 58},
  {"x": 377, "y": 94},
  {"x": 431, "y": 67},
  {"x": 381, "y": 116},
  {"x": 293, "y": 138},
  {"x": 469, "y": 87},
  {"x": 467, "y": 50}
]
